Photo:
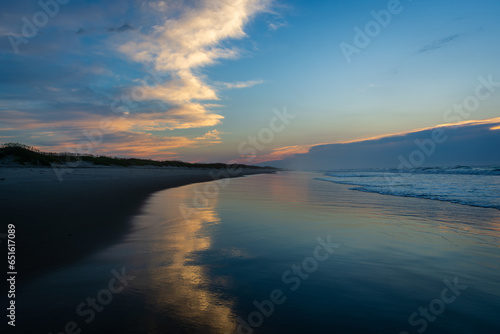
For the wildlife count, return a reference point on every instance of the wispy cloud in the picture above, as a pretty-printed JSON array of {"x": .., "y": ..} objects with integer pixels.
[
  {"x": 185, "y": 116},
  {"x": 282, "y": 153},
  {"x": 211, "y": 136},
  {"x": 182, "y": 88},
  {"x": 242, "y": 84},
  {"x": 439, "y": 43},
  {"x": 122, "y": 28},
  {"x": 133, "y": 144},
  {"x": 122, "y": 137},
  {"x": 276, "y": 25},
  {"x": 180, "y": 46}
]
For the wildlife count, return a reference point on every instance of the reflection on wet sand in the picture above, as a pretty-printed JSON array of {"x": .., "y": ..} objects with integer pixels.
[{"x": 180, "y": 286}]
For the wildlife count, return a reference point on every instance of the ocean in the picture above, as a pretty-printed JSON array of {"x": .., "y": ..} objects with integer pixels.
[
  {"x": 291, "y": 253},
  {"x": 476, "y": 186}
]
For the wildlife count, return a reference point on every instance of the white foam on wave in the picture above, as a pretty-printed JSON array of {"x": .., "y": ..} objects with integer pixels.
[{"x": 477, "y": 187}]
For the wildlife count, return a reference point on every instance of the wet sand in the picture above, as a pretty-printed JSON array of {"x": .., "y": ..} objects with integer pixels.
[
  {"x": 381, "y": 259},
  {"x": 58, "y": 223}
]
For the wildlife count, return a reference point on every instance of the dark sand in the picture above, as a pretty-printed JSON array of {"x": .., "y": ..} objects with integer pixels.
[{"x": 58, "y": 223}]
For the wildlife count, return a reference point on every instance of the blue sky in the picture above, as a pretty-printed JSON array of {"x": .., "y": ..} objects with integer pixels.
[{"x": 193, "y": 80}]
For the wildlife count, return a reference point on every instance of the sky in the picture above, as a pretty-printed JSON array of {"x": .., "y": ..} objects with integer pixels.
[
  {"x": 251, "y": 81},
  {"x": 470, "y": 143}
]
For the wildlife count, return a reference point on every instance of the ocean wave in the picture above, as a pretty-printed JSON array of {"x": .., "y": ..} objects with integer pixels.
[
  {"x": 481, "y": 190},
  {"x": 340, "y": 175},
  {"x": 463, "y": 170}
]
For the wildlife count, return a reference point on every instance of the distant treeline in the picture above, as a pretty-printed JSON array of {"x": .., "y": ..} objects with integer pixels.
[{"x": 28, "y": 155}]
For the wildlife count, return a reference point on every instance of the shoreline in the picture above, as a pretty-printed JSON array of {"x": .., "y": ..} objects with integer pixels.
[
  {"x": 59, "y": 223},
  {"x": 208, "y": 272}
]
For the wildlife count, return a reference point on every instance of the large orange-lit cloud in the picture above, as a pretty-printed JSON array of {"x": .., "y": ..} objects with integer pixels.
[
  {"x": 189, "y": 115},
  {"x": 179, "y": 46},
  {"x": 129, "y": 144},
  {"x": 186, "y": 38},
  {"x": 183, "y": 88},
  {"x": 147, "y": 145},
  {"x": 118, "y": 137},
  {"x": 193, "y": 40}
]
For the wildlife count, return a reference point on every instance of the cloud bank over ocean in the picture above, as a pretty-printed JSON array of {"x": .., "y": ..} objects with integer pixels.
[{"x": 468, "y": 143}]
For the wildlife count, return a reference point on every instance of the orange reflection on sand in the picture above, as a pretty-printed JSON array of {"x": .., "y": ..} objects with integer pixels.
[
  {"x": 287, "y": 192},
  {"x": 181, "y": 286}
]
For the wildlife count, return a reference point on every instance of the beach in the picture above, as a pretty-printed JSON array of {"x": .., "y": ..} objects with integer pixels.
[
  {"x": 281, "y": 253},
  {"x": 59, "y": 222},
  {"x": 250, "y": 167}
]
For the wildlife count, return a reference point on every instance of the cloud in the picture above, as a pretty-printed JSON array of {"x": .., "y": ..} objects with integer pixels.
[
  {"x": 119, "y": 139},
  {"x": 100, "y": 30},
  {"x": 277, "y": 25},
  {"x": 193, "y": 40},
  {"x": 175, "y": 39},
  {"x": 466, "y": 143},
  {"x": 184, "y": 87},
  {"x": 6, "y": 32},
  {"x": 122, "y": 28},
  {"x": 281, "y": 153},
  {"x": 15, "y": 119},
  {"x": 211, "y": 136},
  {"x": 439, "y": 44},
  {"x": 160, "y": 6},
  {"x": 127, "y": 144},
  {"x": 242, "y": 84},
  {"x": 180, "y": 46},
  {"x": 186, "y": 116}
]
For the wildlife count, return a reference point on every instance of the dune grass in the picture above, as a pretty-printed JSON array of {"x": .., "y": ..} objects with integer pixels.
[{"x": 27, "y": 155}]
